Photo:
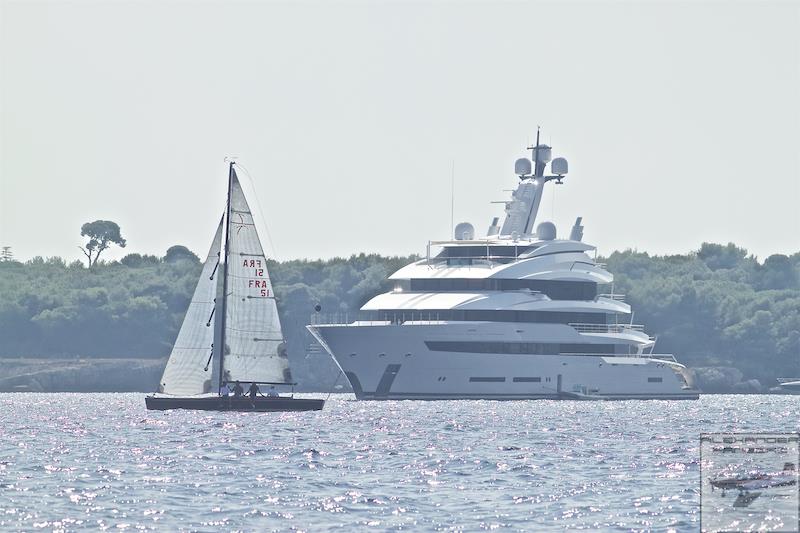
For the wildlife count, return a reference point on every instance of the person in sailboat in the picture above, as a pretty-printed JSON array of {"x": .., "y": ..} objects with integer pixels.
[
  {"x": 224, "y": 389},
  {"x": 238, "y": 390},
  {"x": 272, "y": 393},
  {"x": 253, "y": 391}
]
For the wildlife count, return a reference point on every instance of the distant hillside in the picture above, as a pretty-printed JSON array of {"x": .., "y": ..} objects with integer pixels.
[{"x": 718, "y": 309}]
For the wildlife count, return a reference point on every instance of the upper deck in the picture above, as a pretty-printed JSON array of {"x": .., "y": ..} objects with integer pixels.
[{"x": 528, "y": 259}]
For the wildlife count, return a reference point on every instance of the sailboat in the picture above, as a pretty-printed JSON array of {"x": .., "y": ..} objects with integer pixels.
[{"x": 230, "y": 346}]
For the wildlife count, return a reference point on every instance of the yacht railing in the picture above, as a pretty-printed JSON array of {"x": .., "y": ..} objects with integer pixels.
[
  {"x": 376, "y": 318},
  {"x": 606, "y": 328},
  {"x": 615, "y": 297},
  {"x": 433, "y": 317},
  {"x": 661, "y": 357}
]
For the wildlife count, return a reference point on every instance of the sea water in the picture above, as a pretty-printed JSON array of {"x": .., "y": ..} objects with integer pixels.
[{"x": 89, "y": 461}]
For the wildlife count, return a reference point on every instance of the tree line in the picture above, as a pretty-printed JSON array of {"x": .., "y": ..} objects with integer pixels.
[{"x": 715, "y": 308}]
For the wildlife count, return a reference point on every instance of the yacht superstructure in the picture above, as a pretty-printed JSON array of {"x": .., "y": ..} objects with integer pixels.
[{"x": 516, "y": 314}]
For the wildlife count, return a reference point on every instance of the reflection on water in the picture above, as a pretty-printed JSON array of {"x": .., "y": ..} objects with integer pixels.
[{"x": 73, "y": 461}]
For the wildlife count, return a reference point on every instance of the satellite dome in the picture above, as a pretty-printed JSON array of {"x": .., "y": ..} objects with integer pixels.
[
  {"x": 464, "y": 231},
  {"x": 546, "y": 231},
  {"x": 559, "y": 166},
  {"x": 522, "y": 166}
]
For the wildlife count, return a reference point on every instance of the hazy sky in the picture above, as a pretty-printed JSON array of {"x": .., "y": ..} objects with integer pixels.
[{"x": 680, "y": 120}]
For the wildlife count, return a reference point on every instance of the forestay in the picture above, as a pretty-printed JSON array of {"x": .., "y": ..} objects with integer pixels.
[
  {"x": 254, "y": 348},
  {"x": 187, "y": 372}
]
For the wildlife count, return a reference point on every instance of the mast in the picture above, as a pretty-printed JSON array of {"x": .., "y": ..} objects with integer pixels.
[
  {"x": 225, "y": 280},
  {"x": 521, "y": 211},
  {"x": 538, "y": 173}
]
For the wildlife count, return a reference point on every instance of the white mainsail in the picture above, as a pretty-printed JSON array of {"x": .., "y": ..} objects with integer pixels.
[
  {"x": 186, "y": 372},
  {"x": 254, "y": 348}
]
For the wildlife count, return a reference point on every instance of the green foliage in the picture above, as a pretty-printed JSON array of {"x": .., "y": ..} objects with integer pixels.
[
  {"x": 102, "y": 234},
  {"x": 179, "y": 253},
  {"x": 718, "y": 307}
]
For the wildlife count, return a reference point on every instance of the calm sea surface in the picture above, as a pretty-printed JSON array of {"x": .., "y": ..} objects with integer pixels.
[{"x": 84, "y": 461}]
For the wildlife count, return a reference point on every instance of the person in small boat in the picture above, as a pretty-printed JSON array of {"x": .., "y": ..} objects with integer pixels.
[
  {"x": 272, "y": 393},
  {"x": 253, "y": 391},
  {"x": 238, "y": 391}
]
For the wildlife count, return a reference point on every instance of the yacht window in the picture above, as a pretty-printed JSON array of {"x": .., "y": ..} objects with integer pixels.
[
  {"x": 535, "y": 348},
  {"x": 588, "y": 348},
  {"x": 487, "y": 379},
  {"x": 554, "y": 289},
  {"x": 484, "y": 251},
  {"x": 491, "y": 315},
  {"x": 655, "y": 380}
]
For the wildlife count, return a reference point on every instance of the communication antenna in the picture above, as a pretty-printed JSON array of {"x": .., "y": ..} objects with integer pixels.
[{"x": 452, "y": 197}]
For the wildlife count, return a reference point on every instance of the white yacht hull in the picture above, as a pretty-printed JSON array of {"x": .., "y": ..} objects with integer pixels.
[{"x": 386, "y": 361}]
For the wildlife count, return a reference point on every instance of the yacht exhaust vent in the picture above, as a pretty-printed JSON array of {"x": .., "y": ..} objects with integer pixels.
[
  {"x": 546, "y": 231},
  {"x": 464, "y": 231},
  {"x": 577, "y": 230},
  {"x": 494, "y": 229}
]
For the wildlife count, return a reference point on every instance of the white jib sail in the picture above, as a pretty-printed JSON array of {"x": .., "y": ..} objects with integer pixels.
[
  {"x": 254, "y": 348},
  {"x": 186, "y": 372}
]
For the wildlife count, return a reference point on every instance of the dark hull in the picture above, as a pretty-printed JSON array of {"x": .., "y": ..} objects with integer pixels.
[{"x": 223, "y": 403}]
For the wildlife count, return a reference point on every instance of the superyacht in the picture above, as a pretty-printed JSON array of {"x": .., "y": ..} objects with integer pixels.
[{"x": 516, "y": 314}]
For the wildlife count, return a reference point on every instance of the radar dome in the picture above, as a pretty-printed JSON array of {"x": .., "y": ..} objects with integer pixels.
[
  {"x": 546, "y": 231},
  {"x": 559, "y": 166},
  {"x": 545, "y": 153},
  {"x": 464, "y": 231},
  {"x": 522, "y": 166}
]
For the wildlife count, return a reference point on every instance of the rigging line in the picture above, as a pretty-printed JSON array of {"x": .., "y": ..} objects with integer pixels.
[
  {"x": 330, "y": 391},
  {"x": 261, "y": 209}
]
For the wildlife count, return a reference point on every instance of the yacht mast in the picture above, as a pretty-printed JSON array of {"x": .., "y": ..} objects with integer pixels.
[
  {"x": 225, "y": 279},
  {"x": 538, "y": 172}
]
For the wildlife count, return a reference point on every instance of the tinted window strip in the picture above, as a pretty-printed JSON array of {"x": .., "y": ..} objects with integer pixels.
[
  {"x": 496, "y": 315},
  {"x": 487, "y": 379},
  {"x": 527, "y": 380},
  {"x": 534, "y": 348},
  {"x": 555, "y": 289}
]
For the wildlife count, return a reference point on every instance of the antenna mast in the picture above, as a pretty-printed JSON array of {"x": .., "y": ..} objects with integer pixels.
[{"x": 452, "y": 197}]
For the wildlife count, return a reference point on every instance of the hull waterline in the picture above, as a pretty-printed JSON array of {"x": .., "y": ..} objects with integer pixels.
[{"x": 223, "y": 403}]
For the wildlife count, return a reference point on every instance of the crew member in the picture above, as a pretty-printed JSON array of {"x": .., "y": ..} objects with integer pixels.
[{"x": 253, "y": 391}]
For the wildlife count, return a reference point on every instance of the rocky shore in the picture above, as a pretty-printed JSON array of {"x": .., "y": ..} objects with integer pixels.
[
  {"x": 142, "y": 375},
  {"x": 80, "y": 375}
]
